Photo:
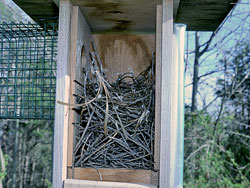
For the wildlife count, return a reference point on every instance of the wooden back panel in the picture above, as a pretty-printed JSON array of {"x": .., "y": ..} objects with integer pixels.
[{"x": 124, "y": 53}]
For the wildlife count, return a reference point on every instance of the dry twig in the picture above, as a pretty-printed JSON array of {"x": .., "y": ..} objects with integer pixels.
[{"x": 116, "y": 128}]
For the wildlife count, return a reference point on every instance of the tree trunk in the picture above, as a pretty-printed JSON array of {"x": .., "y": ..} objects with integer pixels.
[
  {"x": 15, "y": 155},
  {"x": 196, "y": 73},
  {"x": 21, "y": 157},
  {"x": 33, "y": 168},
  {"x": 2, "y": 165}
]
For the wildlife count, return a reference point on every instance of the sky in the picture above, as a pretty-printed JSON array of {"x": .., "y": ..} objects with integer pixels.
[{"x": 237, "y": 28}]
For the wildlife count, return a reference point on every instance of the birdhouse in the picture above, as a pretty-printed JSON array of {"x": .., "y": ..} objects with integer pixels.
[
  {"x": 124, "y": 35},
  {"x": 107, "y": 39}
]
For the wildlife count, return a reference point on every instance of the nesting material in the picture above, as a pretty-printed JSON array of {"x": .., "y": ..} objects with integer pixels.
[{"x": 116, "y": 128}]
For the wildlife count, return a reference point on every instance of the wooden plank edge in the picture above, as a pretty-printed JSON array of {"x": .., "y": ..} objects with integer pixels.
[
  {"x": 167, "y": 95},
  {"x": 114, "y": 175},
  {"x": 70, "y": 183},
  {"x": 158, "y": 73}
]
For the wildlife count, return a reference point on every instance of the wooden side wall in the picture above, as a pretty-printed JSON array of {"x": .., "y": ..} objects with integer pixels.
[
  {"x": 168, "y": 95},
  {"x": 74, "y": 33},
  {"x": 79, "y": 58},
  {"x": 62, "y": 94},
  {"x": 158, "y": 76}
]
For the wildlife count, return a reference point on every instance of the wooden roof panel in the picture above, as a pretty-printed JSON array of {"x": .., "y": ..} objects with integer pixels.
[
  {"x": 203, "y": 15},
  {"x": 39, "y": 9},
  {"x": 119, "y": 15},
  {"x": 135, "y": 15}
]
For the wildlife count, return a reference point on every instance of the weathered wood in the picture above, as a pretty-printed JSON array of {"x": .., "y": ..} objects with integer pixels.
[
  {"x": 69, "y": 183},
  {"x": 120, "y": 16},
  {"x": 39, "y": 9},
  {"x": 124, "y": 53},
  {"x": 80, "y": 39},
  {"x": 139, "y": 16},
  {"x": 167, "y": 94},
  {"x": 114, "y": 175},
  {"x": 158, "y": 87},
  {"x": 62, "y": 94},
  {"x": 135, "y": 15},
  {"x": 205, "y": 15},
  {"x": 73, "y": 57}
]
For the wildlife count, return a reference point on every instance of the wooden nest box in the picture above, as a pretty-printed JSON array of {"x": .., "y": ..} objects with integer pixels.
[
  {"x": 125, "y": 39},
  {"x": 125, "y": 32}
]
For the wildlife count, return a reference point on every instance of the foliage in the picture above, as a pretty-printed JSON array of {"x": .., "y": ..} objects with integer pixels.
[
  {"x": 211, "y": 160},
  {"x": 32, "y": 153},
  {"x": 2, "y": 172},
  {"x": 235, "y": 86}
]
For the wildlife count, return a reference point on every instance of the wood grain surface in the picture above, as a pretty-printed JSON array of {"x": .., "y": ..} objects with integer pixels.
[
  {"x": 124, "y": 53},
  {"x": 114, "y": 175},
  {"x": 101, "y": 184}
]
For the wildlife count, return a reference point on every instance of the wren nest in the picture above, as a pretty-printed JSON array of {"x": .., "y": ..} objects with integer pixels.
[{"x": 116, "y": 127}]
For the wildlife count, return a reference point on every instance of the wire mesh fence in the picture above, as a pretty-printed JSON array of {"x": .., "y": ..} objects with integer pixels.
[{"x": 27, "y": 70}]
